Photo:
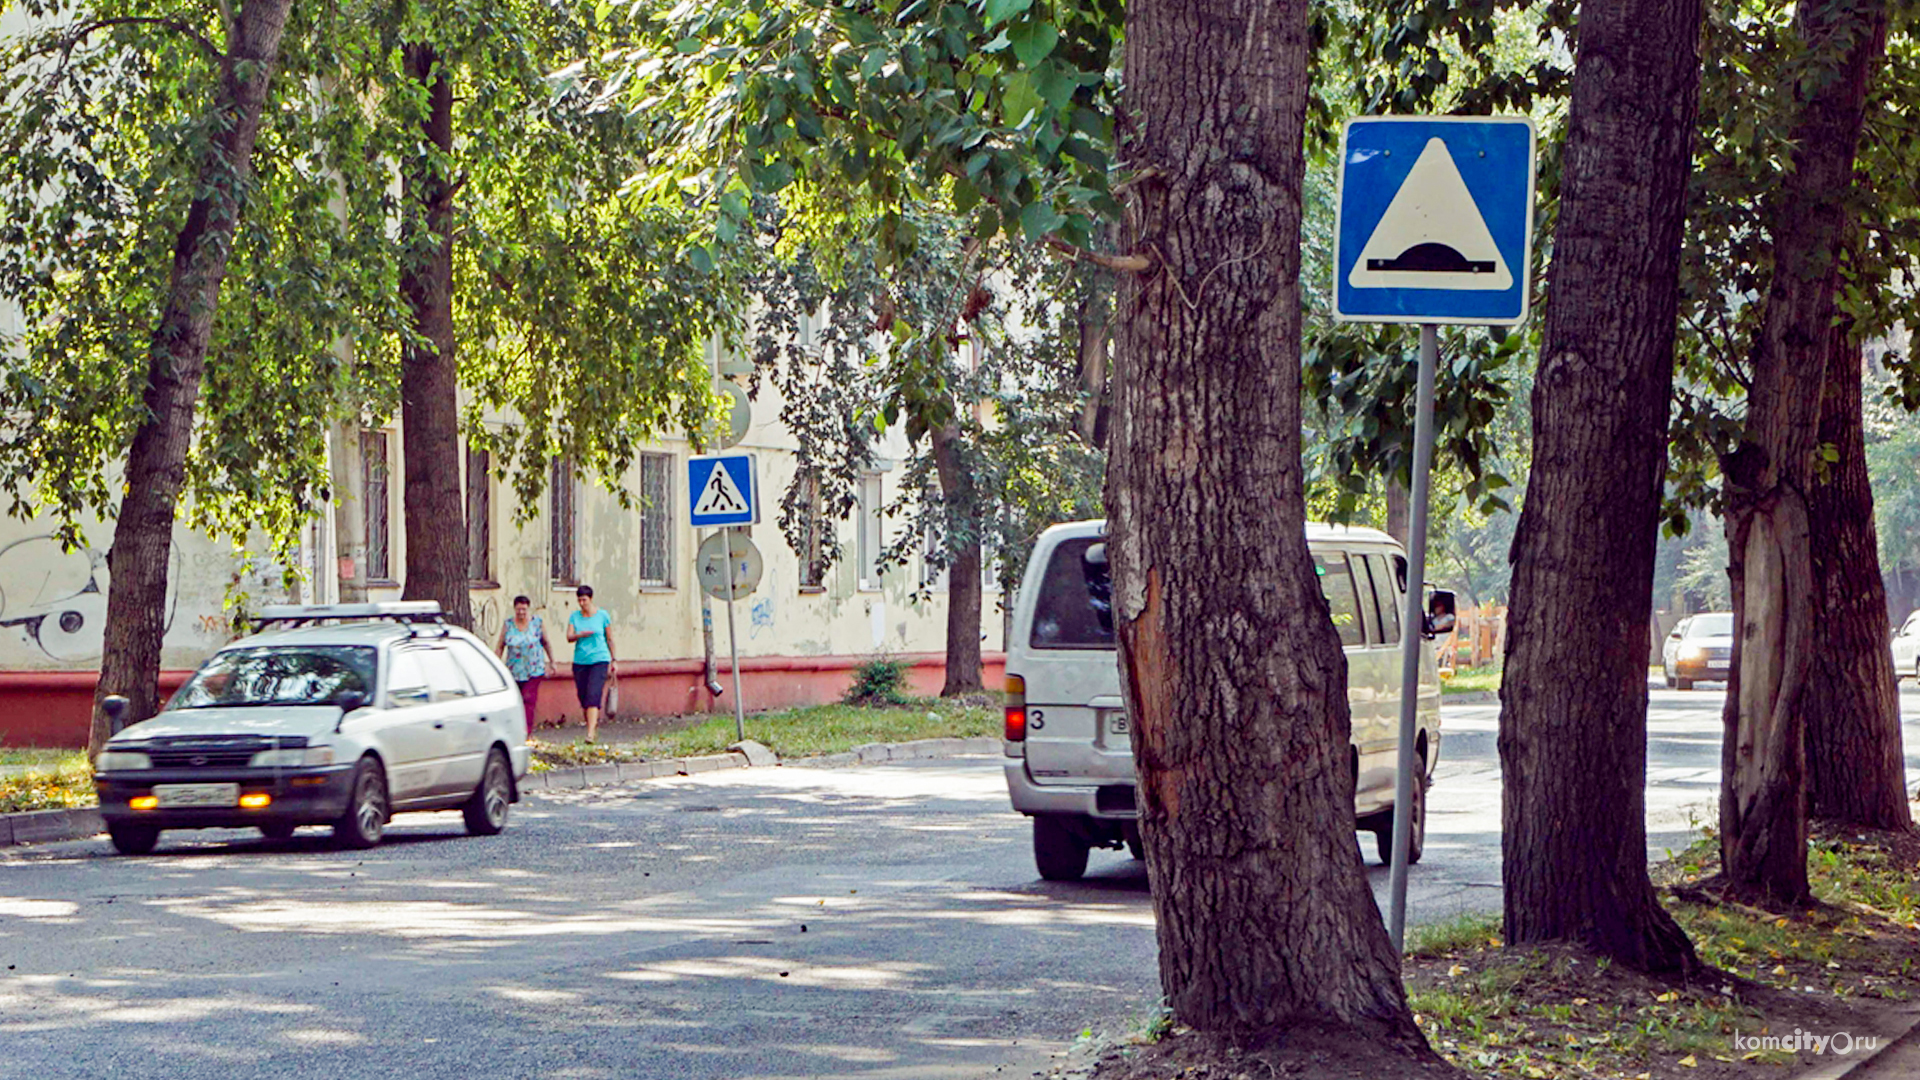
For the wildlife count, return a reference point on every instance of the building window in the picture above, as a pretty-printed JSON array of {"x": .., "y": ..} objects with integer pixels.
[
  {"x": 656, "y": 520},
  {"x": 374, "y": 501},
  {"x": 479, "y": 516},
  {"x": 872, "y": 532},
  {"x": 813, "y": 529},
  {"x": 933, "y": 565},
  {"x": 562, "y": 511}
]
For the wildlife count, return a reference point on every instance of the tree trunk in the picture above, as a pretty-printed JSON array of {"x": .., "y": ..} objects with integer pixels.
[
  {"x": 156, "y": 462},
  {"x": 1855, "y": 761},
  {"x": 1399, "y": 514},
  {"x": 1230, "y": 663},
  {"x": 429, "y": 377},
  {"x": 1763, "y": 804},
  {"x": 959, "y": 493},
  {"x": 1573, "y": 723}
]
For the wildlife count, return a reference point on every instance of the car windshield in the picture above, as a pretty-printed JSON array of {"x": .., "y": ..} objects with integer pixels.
[
  {"x": 303, "y": 675},
  {"x": 1711, "y": 626}
]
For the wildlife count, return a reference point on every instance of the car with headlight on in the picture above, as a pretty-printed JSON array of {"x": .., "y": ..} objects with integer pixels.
[
  {"x": 340, "y": 715},
  {"x": 1700, "y": 649}
]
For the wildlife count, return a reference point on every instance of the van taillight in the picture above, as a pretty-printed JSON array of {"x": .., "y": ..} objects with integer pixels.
[{"x": 1016, "y": 709}]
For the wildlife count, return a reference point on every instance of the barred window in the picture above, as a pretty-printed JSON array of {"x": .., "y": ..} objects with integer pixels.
[
  {"x": 374, "y": 503},
  {"x": 656, "y": 520},
  {"x": 813, "y": 532},
  {"x": 479, "y": 516},
  {"x": 561, "y": 507}
]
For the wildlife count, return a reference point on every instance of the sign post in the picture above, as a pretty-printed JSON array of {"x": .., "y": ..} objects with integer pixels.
[
  {"x": 723, "y": 493},
  {"x": 1435, "y": 225}
]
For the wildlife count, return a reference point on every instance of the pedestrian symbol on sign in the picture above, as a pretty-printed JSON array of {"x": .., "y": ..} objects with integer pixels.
[{"x": 720, "y": 496}]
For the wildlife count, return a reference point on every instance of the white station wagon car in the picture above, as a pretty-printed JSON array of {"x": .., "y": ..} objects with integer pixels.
[{"x": 339, "y": 715}]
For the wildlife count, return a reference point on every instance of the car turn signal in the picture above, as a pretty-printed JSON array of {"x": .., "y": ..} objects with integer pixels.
[
  {"x": 256, "y": 800},
  {"x": 144, "y": 802},
  {"x": 1016, "y": 709}
]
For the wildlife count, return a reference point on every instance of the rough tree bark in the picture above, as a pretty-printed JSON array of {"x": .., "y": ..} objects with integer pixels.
[
  {"x": 177, "y": 357},
  {"x": 1763, "y": 794},
  {"x": 1856, "y": 770},
  {"x": 435, "y": 504},
  {"x": 1573, "y": 721},
  {"x": 1229, "y": 658},
  {"x": 957, "y": 489}
]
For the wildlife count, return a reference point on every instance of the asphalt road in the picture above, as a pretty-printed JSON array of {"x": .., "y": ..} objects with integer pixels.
[{"x": 793, "y": 922}]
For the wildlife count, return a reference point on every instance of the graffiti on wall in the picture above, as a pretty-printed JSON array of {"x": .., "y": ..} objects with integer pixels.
[{"x": 56, "y": 600}]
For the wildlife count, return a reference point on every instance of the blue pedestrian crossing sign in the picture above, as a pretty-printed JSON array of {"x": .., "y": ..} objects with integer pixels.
[
  {"x": 721, "y": 491},
  {"x": 1435, "y": 220}
]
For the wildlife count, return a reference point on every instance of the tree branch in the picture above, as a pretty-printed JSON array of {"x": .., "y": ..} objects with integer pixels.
[
  {"x": 1124, "y": 264},
  {"x": 65, "y": 43}
]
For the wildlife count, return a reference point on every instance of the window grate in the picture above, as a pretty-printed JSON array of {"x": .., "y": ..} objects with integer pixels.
[
  {"x": 656, "y": 520},
  {"x": 374, "y": 502},
  {"x": 560, "y": 523},
  {"x": 872, "y": 535},
  {"x": 479, "y": 516}
]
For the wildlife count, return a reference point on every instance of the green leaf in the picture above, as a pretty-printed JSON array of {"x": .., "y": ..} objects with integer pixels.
[
  {"x": 999, "y": 11},
  {"x": 1039, "y": 219},
  {"x": 1033, "y": 41},
  {"x": 700, "y": 258}
]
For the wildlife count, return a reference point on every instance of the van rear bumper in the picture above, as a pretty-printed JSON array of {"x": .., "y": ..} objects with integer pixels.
[{"x": 1113, "y": 800}]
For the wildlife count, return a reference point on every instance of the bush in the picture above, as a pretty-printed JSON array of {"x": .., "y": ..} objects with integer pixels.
[{"x": 879, "y": 682}]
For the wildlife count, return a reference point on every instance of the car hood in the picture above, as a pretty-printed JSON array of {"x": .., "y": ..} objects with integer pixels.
[{"x": 243, "y": 720}]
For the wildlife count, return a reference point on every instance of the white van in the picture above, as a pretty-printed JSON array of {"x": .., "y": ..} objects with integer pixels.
[{"x": 1069, "y": 755}]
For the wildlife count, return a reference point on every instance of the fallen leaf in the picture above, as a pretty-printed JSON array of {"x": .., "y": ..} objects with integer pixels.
[
  {"x": 1781, "y": 921},
  {"x": 1668, "y": 996},
  {"x": 1779, "y": 969},
  {"x": 1579, "y": 1001},
  {"x": 1689, "y": 1062},
  {"x": 1455, "y": 971}
]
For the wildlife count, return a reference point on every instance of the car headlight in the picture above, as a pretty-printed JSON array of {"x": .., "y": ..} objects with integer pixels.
[
  {"x": 293, "y": 758},
  {"x": 1692, "y": 652},
  {"x": 116, "y": 760}
]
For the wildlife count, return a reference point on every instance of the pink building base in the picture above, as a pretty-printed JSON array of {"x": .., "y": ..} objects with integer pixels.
[{"x": 52, "y": 708}]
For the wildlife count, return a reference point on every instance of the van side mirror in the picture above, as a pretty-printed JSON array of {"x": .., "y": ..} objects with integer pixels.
[
  {"x": 115, "y": 707},
  {"x": 1440, "y": 613}
]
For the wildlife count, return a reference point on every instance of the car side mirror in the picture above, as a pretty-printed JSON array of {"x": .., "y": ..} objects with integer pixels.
[
  {"x": 115, "y": 706},
  {"x": 1440, "y": 616},
  {"x": 349, "y": 701}
]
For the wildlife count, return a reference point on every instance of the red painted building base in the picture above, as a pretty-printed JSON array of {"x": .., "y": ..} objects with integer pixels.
[{"x": 52, "y": 708}]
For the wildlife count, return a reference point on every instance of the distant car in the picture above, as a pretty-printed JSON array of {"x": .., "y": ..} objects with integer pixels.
[
  {"x": 343, "y": 715},
  {"x": 1906, "y": 649},
  {"x": 1700, "y": 649}
]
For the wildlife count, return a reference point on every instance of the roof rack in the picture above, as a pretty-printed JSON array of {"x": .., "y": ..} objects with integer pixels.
[{"x": 411, "y": 612}]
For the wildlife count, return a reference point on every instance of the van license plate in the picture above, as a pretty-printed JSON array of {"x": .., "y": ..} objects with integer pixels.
[
  {"x": 1117, "y": 724},
  {"x": 197, "y": 794}
]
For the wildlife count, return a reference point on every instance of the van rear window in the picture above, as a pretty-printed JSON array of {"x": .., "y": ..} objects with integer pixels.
[{"x": 1075, "y": 607}]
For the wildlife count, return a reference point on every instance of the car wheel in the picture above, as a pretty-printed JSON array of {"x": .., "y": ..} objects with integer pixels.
[
  {"x": 279, "y": 830},
  {"x": 1684, "y": 684},
  {"x": 486, "y": 808},
  {"x": 366, "y": 816},
  {"x": 133, "y": 839},
  {"x": 1058, "y": 851},
  {"x": 1670, "y": 679},
  {"x": 1383, "y": 835}
]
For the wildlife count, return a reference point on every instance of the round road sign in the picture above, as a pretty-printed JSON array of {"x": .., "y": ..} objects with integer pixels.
[{"x": 710, "y": 565}]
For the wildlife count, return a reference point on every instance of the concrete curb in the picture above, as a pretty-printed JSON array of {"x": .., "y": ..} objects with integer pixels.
[
  {"x": 1895, "y": 1056},
  {"x": 1471, "y": 697},
  {"x": 50, "y": 826}
]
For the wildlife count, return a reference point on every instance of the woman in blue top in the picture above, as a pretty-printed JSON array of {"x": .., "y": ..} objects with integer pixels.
[
  {"x": 591, "y": 631},
  {"x": 524, "y": 646}
]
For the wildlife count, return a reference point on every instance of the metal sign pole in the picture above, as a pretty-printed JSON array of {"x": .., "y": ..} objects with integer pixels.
[
  {"x": 1411, "y": 638},
  {"x": 733, "y": 641}
]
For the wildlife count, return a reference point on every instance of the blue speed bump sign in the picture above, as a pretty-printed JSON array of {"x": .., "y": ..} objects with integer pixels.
[
  {"x": 1435, "y": 220},
  {"x": 721, "y": 491}
]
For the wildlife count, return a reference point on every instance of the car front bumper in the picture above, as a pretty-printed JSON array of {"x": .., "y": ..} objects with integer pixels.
[
  {"x": 1702, "y": 670},
  {"x": 303, "y": 796}
]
